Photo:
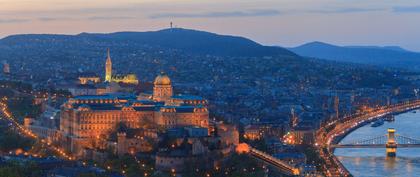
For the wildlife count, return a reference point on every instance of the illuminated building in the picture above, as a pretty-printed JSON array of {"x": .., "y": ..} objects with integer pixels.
[
  {"x": 289, "y": 138},
  {"x": 176, "y": 159},
  {"x": 87, "y": 121},
  {"x": 44, "y": 126},
  {"x": 193, "y": 148},
  {"x": 263, "y": 129},
  {"x": 110, "y": 77},
  {"x": 89, "y": 78},
  {"x": 303, "y": 136},
  {"x": 162, "y": 89},
  {"x": 90, "y": 83},
  {"x": 252, "y": 132},
  {"x": 132, "y": 142}
]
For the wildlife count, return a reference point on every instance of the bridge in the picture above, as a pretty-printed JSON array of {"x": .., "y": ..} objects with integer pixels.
[
  {"x": 389, "y": 141},
  {"x": 284, "y": 167},
  {"x": 330, "y": 134}
]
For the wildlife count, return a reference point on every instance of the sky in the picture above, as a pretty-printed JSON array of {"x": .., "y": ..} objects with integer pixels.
[{"x": 270, "y": 22}]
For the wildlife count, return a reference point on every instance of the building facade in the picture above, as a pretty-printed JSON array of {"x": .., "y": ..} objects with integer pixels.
[
  {"x": 110, "y": 77},
  {"x": 88, "y": 121},
  {"x": 89, "y": 79}
]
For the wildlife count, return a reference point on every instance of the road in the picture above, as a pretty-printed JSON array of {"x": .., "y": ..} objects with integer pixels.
[{"x": 5, "y": 113}]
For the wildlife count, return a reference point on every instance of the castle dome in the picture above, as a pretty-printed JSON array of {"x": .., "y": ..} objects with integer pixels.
[{"x": 162, "y": 79}]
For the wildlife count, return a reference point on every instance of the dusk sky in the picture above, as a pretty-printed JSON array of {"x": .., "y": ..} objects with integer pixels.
[{"x": 270, "y": 22}]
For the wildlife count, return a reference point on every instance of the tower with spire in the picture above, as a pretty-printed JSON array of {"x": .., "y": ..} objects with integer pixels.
[{"x": 108, "y": 68}]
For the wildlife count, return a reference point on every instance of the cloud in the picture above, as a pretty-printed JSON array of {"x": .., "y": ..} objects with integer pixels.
[
  {"x": 47, "y": 19},
  {"x": 249, "y": 13},
  {"x": 93, "y": 18},
  {"x": 345, "y": 10},
  {"x": 407, "y": 9},
  {"x": 110, "y": 18},
  {"x": 262, "y": 12},
  {"x": 13, "y": 20}
]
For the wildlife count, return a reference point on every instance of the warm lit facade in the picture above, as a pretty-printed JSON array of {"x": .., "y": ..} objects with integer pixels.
[
  {"x": 252, "y": 132},
  {"x": 86, "y": 120},
  {"x": 110, "y": 77},
  {"x": 163, "y": 89},
  {"x": 89, "y": 79},
  {"x": 127, "y": 79}
]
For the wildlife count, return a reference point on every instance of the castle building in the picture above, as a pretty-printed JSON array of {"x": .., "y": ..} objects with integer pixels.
[
  {"x": 93, "y": 84},
  {"x": 110, "y": 77},
  {"x": 193, "y": 148},
  {"x": 88, "y": 119},
  {"x": 162, "y": 89}
]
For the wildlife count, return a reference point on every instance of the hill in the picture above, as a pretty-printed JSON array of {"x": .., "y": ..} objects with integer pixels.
[
  {"x": 186, "y": 40},
  {"x": 391, "y": 56}
]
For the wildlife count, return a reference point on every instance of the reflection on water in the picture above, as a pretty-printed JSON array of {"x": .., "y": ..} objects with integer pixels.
[{"x": 372, "y": 162}]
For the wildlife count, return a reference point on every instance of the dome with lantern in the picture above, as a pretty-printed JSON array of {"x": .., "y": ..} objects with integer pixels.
[{"x": 162, "y": 79}]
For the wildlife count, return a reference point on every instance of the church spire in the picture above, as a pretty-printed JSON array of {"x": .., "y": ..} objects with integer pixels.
[
  {"x": 108, "y": 55},
  {"x": 108, "y": 58},
  {"x": 108, "y": 67}
]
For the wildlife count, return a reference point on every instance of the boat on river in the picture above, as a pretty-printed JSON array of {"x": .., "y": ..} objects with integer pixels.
[
  {"x": 389, "y": 118},
  {"x": 378, "y": 123}
]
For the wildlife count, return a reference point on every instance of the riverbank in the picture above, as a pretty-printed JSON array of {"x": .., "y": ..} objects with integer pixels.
[{"x": 362, "y": 161}]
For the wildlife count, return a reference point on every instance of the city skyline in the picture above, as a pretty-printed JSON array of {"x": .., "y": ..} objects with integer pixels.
[
  {"x": 160, "y": 88},
  {"x": 284, "y": 23}
]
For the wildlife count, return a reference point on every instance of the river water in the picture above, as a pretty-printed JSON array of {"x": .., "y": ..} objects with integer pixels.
[{"x": 372, "y": 162}]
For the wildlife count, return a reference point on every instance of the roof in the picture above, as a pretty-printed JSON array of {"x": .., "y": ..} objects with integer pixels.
[
  {"x": 89, "y": 97},
  {"x": 181, "y": 109},
  {"x": 129, "y": 101},
  {"x": 98, "y": 106},
  {"x": 107, "y": 96},
  {"x": 147, "y": 102}
]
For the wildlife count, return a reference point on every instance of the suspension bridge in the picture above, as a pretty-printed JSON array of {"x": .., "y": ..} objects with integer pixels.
[
  {"x": 389, "y": 141},
  {"x": 329, "y": 134}
]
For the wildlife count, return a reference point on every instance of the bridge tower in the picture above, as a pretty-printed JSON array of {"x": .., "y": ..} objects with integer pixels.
[{"x": 391, "y": 144}]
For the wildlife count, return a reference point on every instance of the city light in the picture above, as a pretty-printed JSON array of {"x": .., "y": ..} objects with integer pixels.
[{"x": 188, "y": 102}]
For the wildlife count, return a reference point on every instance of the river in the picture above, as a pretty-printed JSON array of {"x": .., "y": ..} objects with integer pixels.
[{"x": 372, "y": 162}]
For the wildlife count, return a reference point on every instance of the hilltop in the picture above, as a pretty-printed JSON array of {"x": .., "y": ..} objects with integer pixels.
[{"x": 388, "y": 56}]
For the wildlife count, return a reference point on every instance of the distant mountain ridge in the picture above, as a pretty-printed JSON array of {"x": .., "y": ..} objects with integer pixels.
[
  {"x": 190, "y": 41},
  {"x": 395, "y": 48},
  {"x": 390, "y": 56},
  {"x": 197, "y": 43}
]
